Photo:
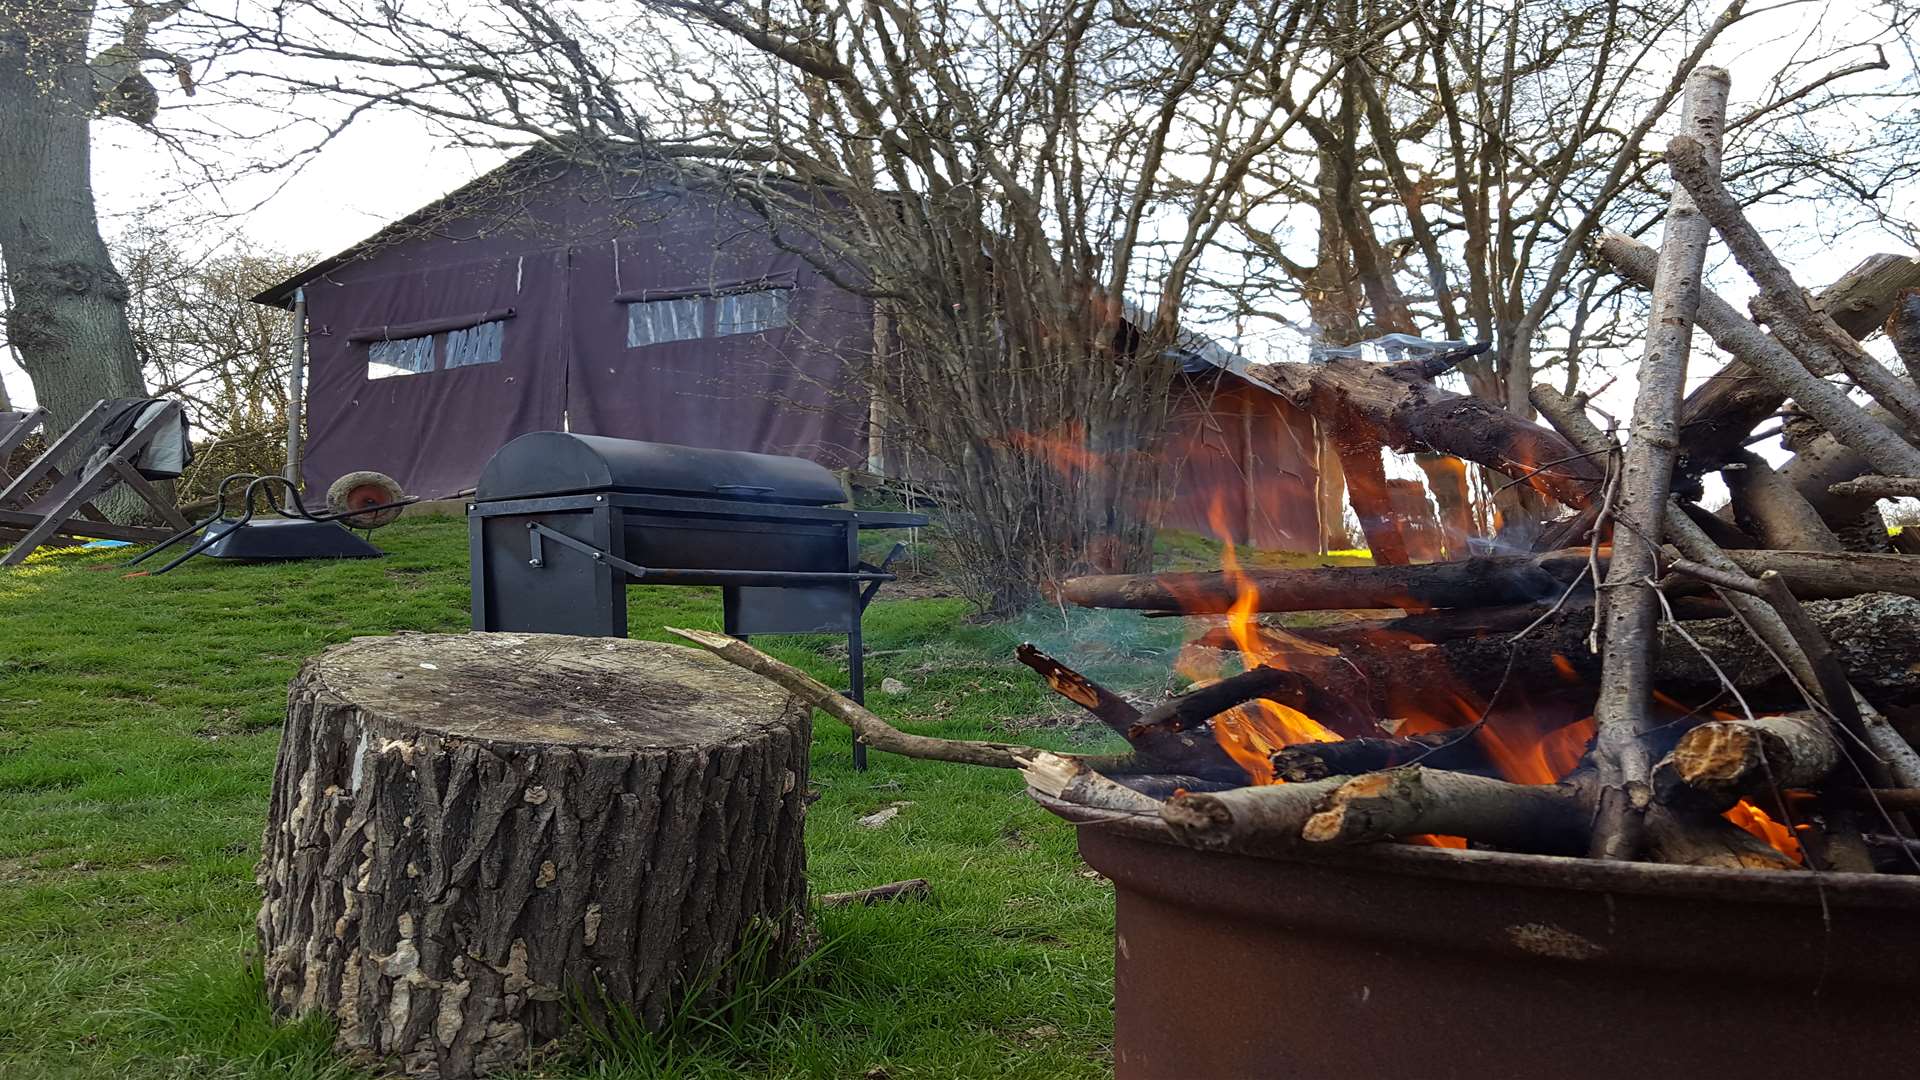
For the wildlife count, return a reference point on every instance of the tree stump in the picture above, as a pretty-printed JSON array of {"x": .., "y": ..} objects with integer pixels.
[{"x": 472, "y": 835}]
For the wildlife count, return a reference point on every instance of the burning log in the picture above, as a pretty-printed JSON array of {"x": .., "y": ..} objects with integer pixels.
[
  {"x": 1542, "y": 818},
  {"x": 1325, "y": 688},
  {"x": 1249, "y": 819},
  {"x": 1719, "y": 763},
  {"x": 1711, "y": 842},
  {"x": 1457, "y": 750},
  {"x": 1407, "y": 675},
  {"x": 1167, "y": 746}
]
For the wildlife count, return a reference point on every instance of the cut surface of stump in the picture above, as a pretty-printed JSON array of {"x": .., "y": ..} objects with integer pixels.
[{"x": 472, "y": 835}]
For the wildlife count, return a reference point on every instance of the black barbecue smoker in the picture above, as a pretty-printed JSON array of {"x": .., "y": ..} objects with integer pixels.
[{"x": 561, "y": 524}]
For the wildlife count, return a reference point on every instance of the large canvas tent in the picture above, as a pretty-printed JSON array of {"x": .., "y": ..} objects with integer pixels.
[{"x": 546, "y": 295}]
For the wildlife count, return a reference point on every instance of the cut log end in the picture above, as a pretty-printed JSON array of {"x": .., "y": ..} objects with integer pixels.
[{"x": 468, "y": 831}]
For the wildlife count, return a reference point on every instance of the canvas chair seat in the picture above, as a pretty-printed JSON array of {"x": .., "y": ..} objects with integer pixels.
[{"x": 112, "y": 440}]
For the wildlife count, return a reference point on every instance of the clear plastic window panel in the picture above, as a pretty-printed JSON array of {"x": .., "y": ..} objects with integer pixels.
[
  {"x": 475, "y": 345},
  {"x": 750, "y": 312},
  {"x": 653, "y": 322},
  {"x": 401, "y": 356}
]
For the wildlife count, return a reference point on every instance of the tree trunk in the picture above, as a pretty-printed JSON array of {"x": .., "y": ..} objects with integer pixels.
[
  {"x": 69, "y": 316},
  {"x": 470, "y": 834}
]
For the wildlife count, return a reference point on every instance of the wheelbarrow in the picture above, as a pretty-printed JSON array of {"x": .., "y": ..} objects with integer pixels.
[{"x": 363, "y": 500}]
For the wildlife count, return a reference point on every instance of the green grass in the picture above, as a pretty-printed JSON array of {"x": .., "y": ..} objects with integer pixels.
[{"x": 138, "y": 723}]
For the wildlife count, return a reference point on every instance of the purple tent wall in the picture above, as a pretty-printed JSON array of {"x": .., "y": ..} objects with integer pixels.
[
  {"x": 433, "y": 431},
  {"x": 564, "y": 355},
  {"x": 793, "y": 390}
]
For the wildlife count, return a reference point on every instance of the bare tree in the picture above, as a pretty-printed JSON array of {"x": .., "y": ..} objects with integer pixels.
[
  {"x": 1023, "y": 190},
  {"x": 67, "y": 321},
  {"x": 1469, "y": 152},
  {"x": 202, "y": 339}
]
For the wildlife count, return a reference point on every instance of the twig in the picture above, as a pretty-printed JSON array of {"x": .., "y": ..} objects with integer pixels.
[
  {"x": 1620, "y": 757},
  {"x": 1806, "y": 333},
  {"x": 1878, "y": 487},
  {"x": 1828, "y": 404},
  {"x": 1068, "y": 780},
  {"x": 911, "y": 889},
  {"x": 870, "y": 729}
]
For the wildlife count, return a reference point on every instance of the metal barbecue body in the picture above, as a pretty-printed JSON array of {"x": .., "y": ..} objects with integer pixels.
[{"x": 562, "y": 524}]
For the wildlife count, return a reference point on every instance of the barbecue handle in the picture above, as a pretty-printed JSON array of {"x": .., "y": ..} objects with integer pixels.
[{"x": 662, "y": 576}]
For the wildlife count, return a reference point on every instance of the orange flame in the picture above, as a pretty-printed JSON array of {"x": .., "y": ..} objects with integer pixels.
[
  {"x": 1538, "y": 757},
  {"x": 1521, "y": 750},
  {"x": 1755, "y": 820},
  {"x": 1250, "y": 733}
]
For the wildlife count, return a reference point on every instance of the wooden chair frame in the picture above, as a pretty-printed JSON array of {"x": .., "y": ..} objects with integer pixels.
[
  {"x": 15, "y": 429},
  {"x": 67, "y": 509}
]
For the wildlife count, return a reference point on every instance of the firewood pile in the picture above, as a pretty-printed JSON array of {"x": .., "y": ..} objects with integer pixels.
[{"x": 1654, "y": 682}]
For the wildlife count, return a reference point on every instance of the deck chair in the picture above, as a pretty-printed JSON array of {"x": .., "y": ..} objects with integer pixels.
[
  {"x": 15, "y": 429},
  {"x": 117, "y": 438}
]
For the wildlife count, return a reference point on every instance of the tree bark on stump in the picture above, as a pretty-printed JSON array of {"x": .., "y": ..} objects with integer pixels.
[{"x": 470, "y": 833}]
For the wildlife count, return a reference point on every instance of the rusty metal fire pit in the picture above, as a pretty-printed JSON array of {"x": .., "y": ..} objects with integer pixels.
[{"x": 1426, "y": 963}]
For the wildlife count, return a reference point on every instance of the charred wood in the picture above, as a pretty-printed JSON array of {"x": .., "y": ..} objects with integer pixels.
[
  {"x": 1718, "y": 529},
  {"x": 1325, "y": 688},
  {"x": 1108, "y": 707},
  {"x": 1875, "y": 638},
  {"x": 1711, "y": 842},
  {"x": 1457, "y": 750}
]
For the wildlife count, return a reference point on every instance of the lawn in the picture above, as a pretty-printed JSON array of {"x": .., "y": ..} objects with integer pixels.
[{"x": 138, "y": 723}]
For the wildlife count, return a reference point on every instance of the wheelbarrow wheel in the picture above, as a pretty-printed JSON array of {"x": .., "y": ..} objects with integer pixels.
[{"x": 359, "y": 490}]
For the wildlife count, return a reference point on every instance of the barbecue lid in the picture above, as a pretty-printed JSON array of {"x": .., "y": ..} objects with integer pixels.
[{"x": 558, "y": 463}]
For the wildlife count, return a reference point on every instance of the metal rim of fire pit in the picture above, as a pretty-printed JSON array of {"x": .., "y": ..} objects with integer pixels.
[{"x": 1553, "y": 871}]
